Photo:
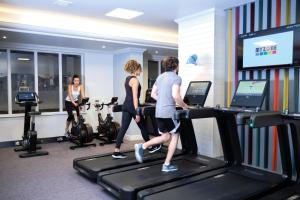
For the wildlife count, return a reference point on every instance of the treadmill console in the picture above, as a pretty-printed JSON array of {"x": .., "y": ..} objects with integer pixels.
[
  {"x": 196, "y": 93},
  {"x": 249, "y": 94}
]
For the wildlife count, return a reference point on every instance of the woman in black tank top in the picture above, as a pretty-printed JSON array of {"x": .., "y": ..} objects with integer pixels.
[{"x": 131, "y": 103}]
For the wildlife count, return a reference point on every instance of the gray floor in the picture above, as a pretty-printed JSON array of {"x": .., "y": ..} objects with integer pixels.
[{"x": 49, "y": 177}]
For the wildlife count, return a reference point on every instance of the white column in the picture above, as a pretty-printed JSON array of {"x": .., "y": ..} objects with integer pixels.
[{"x": 203, "y": 34}]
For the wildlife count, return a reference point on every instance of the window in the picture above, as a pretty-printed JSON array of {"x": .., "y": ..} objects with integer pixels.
[
  {"x": 22, "y": 75},
  {"x": 48, "y": 82},
  {"x": 3, "y": 83},
  {"x": 25, "y": 70},
  {"x": 71, "y": 64}
]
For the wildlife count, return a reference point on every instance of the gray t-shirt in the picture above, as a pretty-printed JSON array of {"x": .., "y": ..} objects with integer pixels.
[{"x": 166, "y": 106}]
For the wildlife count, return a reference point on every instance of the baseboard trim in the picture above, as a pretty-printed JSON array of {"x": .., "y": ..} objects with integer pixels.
[
  {"x": 133, "y": 137},
  {"x": 41, "y": 141}
]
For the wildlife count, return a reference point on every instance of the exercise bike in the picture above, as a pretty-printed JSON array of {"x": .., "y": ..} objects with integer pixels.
[
  {"x": 81, "y": 133},
  {"x": 29, "y": 139},
  {"x": 107, "y": 129}
]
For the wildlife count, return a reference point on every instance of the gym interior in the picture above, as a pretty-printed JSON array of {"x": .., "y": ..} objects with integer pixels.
[{"x": 238, "y": 110}]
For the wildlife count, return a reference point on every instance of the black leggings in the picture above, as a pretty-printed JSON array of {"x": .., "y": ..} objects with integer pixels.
[
  {"x": 70, "y": 107},
  {"x": 126, "y": 119}
]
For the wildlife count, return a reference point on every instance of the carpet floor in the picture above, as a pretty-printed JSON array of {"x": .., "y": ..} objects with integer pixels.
[{"x": 50, "y": 177}]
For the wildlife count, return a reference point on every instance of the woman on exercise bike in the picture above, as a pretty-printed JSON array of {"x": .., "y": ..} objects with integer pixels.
[
  {"x": 75, "y": 90},
  {"x": 131, "y": 103}
]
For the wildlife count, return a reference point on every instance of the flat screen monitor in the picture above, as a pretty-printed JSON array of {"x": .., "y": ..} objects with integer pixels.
[
  {"x": 276, "y": 47},
  {"x": 249, "y": 94},
  {"x": 26, "y": 97},
  {"x": 197, "y": 92}
]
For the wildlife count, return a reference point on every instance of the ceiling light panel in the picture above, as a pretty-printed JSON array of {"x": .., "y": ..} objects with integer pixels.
[{"x": 124, "y": 13}]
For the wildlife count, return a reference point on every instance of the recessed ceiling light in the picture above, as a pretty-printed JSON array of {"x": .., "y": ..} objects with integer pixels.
[
  {"x": 124, "y": 13},
  {"x": 4, "y": 37},
  {"x": 103, "y": 46},
  {"x": 156, "y": 52},
  {"x": 63, "y": 3},
  {"x": 23, "y": 59}
]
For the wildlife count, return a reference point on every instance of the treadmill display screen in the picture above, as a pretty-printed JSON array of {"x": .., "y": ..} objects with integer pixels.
[
  {"x": 249, "y": 94},
  {"x": 26, "y": 96},
  {"x": 197, "y": 92}
]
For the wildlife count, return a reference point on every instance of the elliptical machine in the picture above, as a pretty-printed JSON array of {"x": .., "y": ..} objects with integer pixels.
[
  {"x": 107, "y": 129},
  {"x": 81, "y": 133},
  {"x": 29, "y": 142}
]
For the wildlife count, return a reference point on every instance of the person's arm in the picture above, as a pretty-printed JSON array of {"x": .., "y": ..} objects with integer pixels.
[
  {"x": 154, "y": 92},
  {"x": 70, "y": 95},
  {"x": 134, "y": 83},
  {"x": 82, "y": 92},
  {"x": 177, "y": 97}
]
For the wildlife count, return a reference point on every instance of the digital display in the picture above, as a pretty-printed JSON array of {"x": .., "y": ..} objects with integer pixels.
[
  {"x": 252, "y": 88},
  {"x": 26, "y": 96},
  {"x": 197, "y": 88},
  {"x": 197, "y": 92},
  {"x": 249, "y": 94},
  {"x": 275, "y": 47}
]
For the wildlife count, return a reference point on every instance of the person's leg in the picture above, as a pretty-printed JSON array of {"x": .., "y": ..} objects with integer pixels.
[
  {"x": 126, "y": 119},
  {"x": 142, "y": 126},
  {"x": 164, "y": 137},
  {"x": 172, "y": 148},
  {"x": 68, "y": 106},
  {"x": 139, "y": 148}
]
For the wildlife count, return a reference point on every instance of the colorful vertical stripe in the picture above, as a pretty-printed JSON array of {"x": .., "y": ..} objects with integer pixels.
[
  {"x": 283, "y": 89},
  {"x": 229, "y": 60}
]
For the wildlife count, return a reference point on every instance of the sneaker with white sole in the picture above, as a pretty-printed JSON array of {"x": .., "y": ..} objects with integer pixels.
[
  {"x": 118, "y": 155},
  {"x": 169, "y": 168},
  {"x": 154, "y": 149},
  {"x": 139, "y": 152}
]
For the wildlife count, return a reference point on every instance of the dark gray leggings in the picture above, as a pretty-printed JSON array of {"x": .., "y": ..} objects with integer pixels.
[{"x": 126, "y": 119}]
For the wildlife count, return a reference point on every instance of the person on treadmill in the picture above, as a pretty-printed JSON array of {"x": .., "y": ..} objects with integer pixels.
[
  {"x": 75, "y": 90},
  {"x": 130, "y": 105},
  {"x": 166, "y": 91}
]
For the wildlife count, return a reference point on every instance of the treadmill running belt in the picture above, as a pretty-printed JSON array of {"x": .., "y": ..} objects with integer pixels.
[
  {"x": 221, "y": 187},
  {"x": 126, "y": 184},
  {"x": 90, "y": 167}
]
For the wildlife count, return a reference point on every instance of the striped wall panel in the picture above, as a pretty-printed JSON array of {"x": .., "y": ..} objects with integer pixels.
[{"x": 260, "y": 146}]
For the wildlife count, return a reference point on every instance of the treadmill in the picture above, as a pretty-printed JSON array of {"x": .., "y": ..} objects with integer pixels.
[
  {"x": 90, "y": 166},
  {"x": 291, "y": 192},
  {"x": 237, "y": 181},
  {"x": 125, "y": 183}
]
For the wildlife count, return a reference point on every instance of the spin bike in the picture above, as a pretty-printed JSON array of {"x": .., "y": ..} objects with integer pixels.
[
  {"x": 107, "y": 129},
  {"x": 81, "y": 133},
  {"x": 29, "y": 139}
]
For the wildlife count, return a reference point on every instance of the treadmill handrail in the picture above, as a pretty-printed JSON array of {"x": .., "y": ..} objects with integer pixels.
[
  {"x": 264, "y": 119},
  {"x": 274, "y": 118},
  {"x": 193, "y": 113},
  {"x": 117, "y": 108},
  {"x": 245, "y": 117}
]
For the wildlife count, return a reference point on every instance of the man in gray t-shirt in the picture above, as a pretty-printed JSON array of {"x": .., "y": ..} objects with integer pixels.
[
  {"x": 165, "y": 106},
  {"x": 166, "y": 91}
]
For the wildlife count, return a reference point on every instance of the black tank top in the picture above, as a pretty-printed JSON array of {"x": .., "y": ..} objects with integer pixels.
[{"x": 128, "y": 103}]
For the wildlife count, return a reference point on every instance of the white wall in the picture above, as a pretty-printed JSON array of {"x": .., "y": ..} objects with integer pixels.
[
  {"x": 203, "y": 34},
  {"x": 98, "y": 73},
  {"x": 99, "y": 83}
]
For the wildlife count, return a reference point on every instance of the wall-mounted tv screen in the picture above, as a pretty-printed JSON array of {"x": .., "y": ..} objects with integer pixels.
[{"x": 276, "y": 47}]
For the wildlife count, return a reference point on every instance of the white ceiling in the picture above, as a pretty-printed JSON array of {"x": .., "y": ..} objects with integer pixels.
[{"x": 157, "y": 13}]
